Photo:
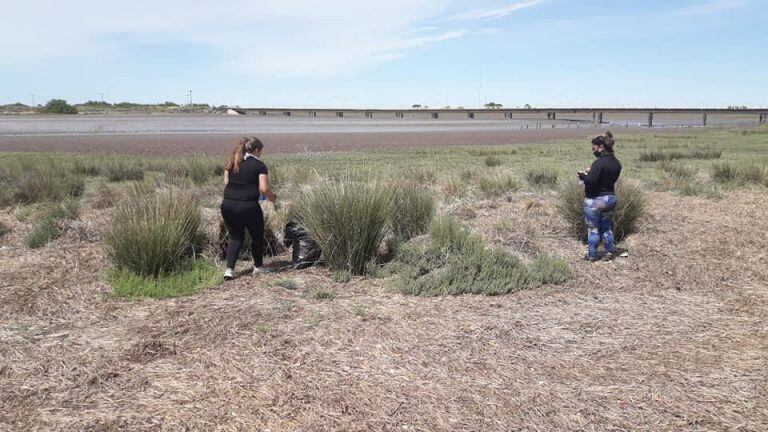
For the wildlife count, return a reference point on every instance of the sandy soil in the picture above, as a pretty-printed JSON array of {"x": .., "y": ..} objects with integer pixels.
[
  {"x": 672, "y": 338},
  {"x": 218, "y": 144}
]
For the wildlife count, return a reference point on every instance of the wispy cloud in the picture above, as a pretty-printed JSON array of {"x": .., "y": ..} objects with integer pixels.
[
  {"x": 712, "y": 6},
  {"x": 493, "y": 13},
  {"x": 299, "y": 37}
]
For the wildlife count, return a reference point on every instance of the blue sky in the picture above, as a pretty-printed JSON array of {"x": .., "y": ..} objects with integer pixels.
[{"x": 393, "y": 53}]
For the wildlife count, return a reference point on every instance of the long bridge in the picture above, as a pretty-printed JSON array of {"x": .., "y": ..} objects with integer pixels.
[{"x": 595, "y": 116}]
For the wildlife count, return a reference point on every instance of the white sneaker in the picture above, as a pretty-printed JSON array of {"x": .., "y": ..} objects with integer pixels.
[
  {"x": 229, "y": 274},
  {"x": 256, "y": 271}
]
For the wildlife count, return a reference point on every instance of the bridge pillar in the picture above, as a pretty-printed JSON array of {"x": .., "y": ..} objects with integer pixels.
[
  {"x": 287, "y": 113},
  {"x": 650, "y": 119},
  {"x": 551, "y": 115},
  {"x": 312, "y": 113},
  {"x": 597, "y": 118},
  {"x": 263, "y": 113},
  {"x": 339, "y": 114},
  {"x": 399, "y": 115},
  {"x": 763, "y": 118},
  {"x": 704, "y": 119},
  {"x": 368, "y": 114},
  {"x": 508, "y": 114},
  {"x": 471, "y": 115},
  {"x": 435, "y": 116}
]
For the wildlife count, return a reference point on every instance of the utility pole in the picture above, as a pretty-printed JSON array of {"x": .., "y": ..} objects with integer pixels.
[
  {"x": 102, "y": 97},
  {"x": 33, "y": 101},
  {"x": 190, "y": 97},
  {"x": 480, "y": 92}
]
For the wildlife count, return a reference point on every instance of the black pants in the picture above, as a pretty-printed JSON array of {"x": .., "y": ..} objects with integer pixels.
[{"x": 239, "y": 215}]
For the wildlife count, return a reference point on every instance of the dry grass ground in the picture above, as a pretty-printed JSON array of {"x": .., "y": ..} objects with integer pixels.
[{"x": 672, "y": 338}]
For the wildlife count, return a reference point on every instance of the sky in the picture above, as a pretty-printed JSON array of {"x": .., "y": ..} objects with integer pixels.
[{"x": 387, "y": 53}]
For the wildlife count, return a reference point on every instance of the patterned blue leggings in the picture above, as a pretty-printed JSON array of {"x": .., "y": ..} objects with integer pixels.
[{"x": 598, "y": 215}]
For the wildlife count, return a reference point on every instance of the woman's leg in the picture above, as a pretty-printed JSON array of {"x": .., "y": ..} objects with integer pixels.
[
  {"x": 606, "y": 223},
  {"x": 235, "y": 228},
  {"x": 256, "y": 229},
  {"x": 592, "y": 220}
]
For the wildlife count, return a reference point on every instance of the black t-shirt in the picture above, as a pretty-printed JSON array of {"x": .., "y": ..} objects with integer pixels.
[
  {"x": 602, "y": 176},
  {"x": 243, "y": 185}
]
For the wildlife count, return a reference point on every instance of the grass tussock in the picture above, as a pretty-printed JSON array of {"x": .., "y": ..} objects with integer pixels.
[
  {"x": 154, "y": 233},
  {"x": 494, "y": 185},
  {"x": 191, "y": 277},
  {"x": 47, "y": 227},
  {"x": 492, "y": 161},
  {"x": 29, "y": 184},
  {"x": 724, "y": 172},
  {"x": 197, "y": 169},
  {"x": 118, "y": 170},
  {"x": 542, "y": 177},
  {"x": 457, "y": 262},
  {"x": 348, "y": 220},
  {"x": 658, "y": 155},
  {"x": 753, "y": 174},
  {"x": 412, "y": 212},
  {"x": 630, "y": 208},
  {"x": 678, "y": 170}
]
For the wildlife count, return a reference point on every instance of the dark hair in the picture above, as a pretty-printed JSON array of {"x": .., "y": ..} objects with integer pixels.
[
  {"x": 245, "y": 145},
  {"x": 606, "y": 144}
]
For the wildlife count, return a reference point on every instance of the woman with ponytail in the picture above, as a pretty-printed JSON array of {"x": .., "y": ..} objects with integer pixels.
[
  {"x": 246, "y": 180},
  {"x": 600, "y": 196}
]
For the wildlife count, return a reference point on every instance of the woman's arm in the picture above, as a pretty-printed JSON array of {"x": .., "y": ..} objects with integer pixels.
[
  {"x": 226, "y": 178},
  {"x": 265, "y": 188}
]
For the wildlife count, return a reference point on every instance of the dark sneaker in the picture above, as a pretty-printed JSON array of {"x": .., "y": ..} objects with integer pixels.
[{"x": 588, "y": 258}]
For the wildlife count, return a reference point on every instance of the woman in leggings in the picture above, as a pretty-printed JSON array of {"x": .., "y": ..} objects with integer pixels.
[
  {"x": 600, "y": 197},
  {"x": 247, "y": 180}
]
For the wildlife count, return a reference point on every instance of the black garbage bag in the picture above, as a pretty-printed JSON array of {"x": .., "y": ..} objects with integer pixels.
[{"x": 306, "y": 252}]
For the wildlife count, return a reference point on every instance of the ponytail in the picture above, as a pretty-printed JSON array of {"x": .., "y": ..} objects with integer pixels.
[{"x": 245, "y": 145}]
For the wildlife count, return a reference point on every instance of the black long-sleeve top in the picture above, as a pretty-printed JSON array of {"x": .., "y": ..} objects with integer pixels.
[{"x": 602, "y": 176}]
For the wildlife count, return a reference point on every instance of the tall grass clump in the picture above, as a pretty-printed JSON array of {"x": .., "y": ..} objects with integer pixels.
[
  {"x": 724, "y": 172},
  {"x": 118, "y": 170},
  {"x": 47, "y": 226},
  {"x": 657, "y": 155},
  {"x": 197, "y": 169},
  {"x": 630, "y": 208},
  {"x": 678, "y": 170},
  {"x": 494, "y": 185},
  {"x": 753, "y": 174},
  {"x": 34, "y": 183},
  {"x": 348, "y": 219},
  {"x": 154, "y": 233},
  {"x": 542, "y": 177},
  {"x": 457, "y": 262},
  {"x": 492, "y": 161},
  {"x": 412, "y": 212}
]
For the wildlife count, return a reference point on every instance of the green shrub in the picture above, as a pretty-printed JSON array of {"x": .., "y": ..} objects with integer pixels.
[
  {"x": 492, "y": 161},
  {"x": 412, "y": 213},
  {"x": 58, "y": 106},
  {"x": 348, "y": 220},
  {"x": 191, "y": 277},
  {"x": 541, "y": 177},
  {"x": 117, "y": 170},
  {"x": 322, "y": 294},
  {"x": 47, "y": 227},
  {"x": 154, "y": 233},
  {"x": 724, "y": 172},
  {"x": 497, "y": 184},
  {"x": 547, "y": 269},
  {"x": 457, "y": 262},
  {"x": 630, "y": 208}
]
